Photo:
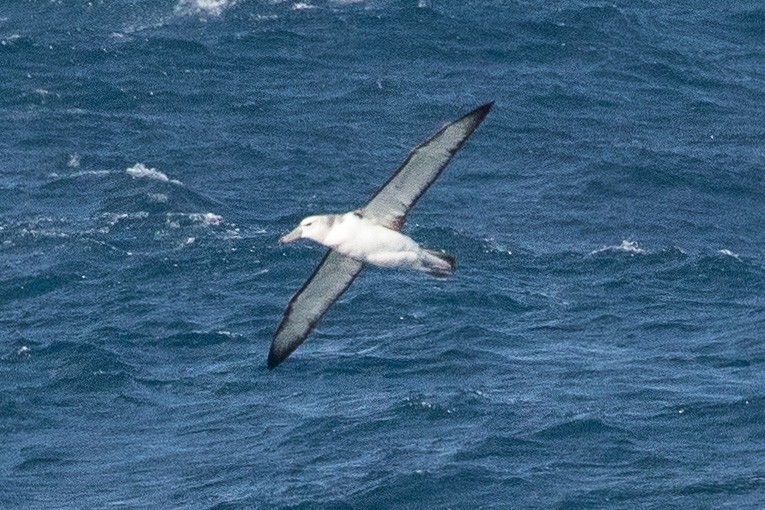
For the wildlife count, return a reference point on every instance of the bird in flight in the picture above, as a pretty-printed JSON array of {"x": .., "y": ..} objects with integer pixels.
[{"x": 370, "y": 235}]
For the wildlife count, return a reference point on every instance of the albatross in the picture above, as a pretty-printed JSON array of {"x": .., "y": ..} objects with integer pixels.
[{"x": 371, "y": 235}]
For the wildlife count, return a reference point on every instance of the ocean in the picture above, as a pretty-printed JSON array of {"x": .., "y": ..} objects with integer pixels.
[{"x": 600, "y": 346}]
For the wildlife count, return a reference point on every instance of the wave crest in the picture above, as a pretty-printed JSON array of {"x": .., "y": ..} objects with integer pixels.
[
  {"x": 141, "y": 171},
  {"x": 627, "y": 246},
  {"x": 208, "y": 7}
]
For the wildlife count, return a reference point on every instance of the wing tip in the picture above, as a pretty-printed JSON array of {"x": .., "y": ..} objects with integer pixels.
[
  {"x": 474, "y": 117},
  {"x": 274, "y": 360},
  {"x": 482, "y": 111}
]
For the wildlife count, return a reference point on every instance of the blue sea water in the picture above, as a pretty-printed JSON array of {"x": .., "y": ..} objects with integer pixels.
[{"x": 600, "y": 346}]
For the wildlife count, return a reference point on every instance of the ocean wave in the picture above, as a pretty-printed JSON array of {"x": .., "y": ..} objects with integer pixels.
[
  {"x": 194, "y": 339},
  {"x": 26, "y": 287},
  {"x": 421, "y": 405},
  {"x": 206, "y": 7},
  {"x": 436, "y": 483},
  {"x": 206, "y": 218},
  {"x": 141, "y": 171},
  {"x": 80, "y": 367},
  {"x": 730, "y": 412},
  {"x": 85, "y": 173},
  {"x": 627, "y": 246},
  {"x": 580, "y": 428},
  {"x": 729, "y": 253},
  {"x": 38, "y": 230},
  {"x": 10, "y": 41},
  {"x": 158, "y": 198},
  {"x": 114, "y": 218},
  {"x": 302, "y": 6}
]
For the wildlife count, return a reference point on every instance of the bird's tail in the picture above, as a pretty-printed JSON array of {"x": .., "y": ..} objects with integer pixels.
[{"x": 438, "y": 263}]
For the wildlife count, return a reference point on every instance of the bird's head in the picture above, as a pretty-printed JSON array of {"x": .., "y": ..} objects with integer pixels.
[{"x": 314, "y": 228}]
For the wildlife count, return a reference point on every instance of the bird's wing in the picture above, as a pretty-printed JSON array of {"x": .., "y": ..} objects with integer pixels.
[
  {"x": 327, "y": 283},
  {"x": 425, "y": 163}
]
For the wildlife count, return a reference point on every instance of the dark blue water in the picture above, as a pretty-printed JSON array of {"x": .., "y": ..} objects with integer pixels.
[{"x": 600, "y": 346}]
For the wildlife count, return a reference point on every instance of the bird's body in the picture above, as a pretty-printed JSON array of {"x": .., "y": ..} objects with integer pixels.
[{"x": 364, "y": 240}]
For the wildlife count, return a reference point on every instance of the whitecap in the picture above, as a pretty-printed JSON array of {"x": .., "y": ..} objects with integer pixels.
[
  {"x": 139, "y": 171},
  {"x": 729, "y": 253},
  {"x": 302, "y": 6},
  {"x": 79, "y": 173},
  {"x": 630, "y": 247},
  {"x": 174, "y": 220},
  {"x": 206, "y": 218},
  {"x": 6, "y": 41},
  {"x": 114, "y": 218},
  {"x": 491, "y": 245},
  {"x": 627, "y": 246},
  {"x": 208, "y": 7}
]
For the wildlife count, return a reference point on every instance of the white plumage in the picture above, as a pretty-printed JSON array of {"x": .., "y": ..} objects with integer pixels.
[{"x": 364, "y": 240}]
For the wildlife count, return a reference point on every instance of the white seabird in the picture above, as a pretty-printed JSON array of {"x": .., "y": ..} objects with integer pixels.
[
  {"x": 370, "y": 235},
  {"x": 357, "y": 237}
]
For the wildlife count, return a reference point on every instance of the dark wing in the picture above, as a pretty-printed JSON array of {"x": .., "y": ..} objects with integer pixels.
[
  {"x": 423, "y": 166},
  {"x": 327, "y": 283}
]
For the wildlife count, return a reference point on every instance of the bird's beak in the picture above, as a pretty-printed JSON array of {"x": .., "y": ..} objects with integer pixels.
[{"x": 292, "y": 236}]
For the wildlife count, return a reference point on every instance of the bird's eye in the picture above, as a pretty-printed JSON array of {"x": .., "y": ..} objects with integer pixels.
[{"x": 307, "y": 224}]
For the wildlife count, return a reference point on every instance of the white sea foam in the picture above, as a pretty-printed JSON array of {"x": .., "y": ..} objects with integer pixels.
[
  {"x": 491, "y": 245},
  {"x": 175, "y": 220},
  {"x": 265, "y": 17},
  {"x": 630, "y": 247},
  {"x": 7, "y": 41},
  {"x": 158, "y": 198},
  {"x": 74, "y": 161},
  {"x": 208, "y": 7},
  {"x": 206, "y": 218},
  {"x": 729, "y": 253},
  {"x": 141, "y": 171},
  {"x": 627, "y": 246},
  {"x": 42, "y": 227},
  {"x": 43, "y": 233},
  {"x": 90, "y": 172},
  {"x": 114, "y": 218},
  {"x": 79, "y": 173},
  {"x": 302, "y": 6}
]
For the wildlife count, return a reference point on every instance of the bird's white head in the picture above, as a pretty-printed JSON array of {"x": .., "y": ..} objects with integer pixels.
[{"x": 314, "y": 228}]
